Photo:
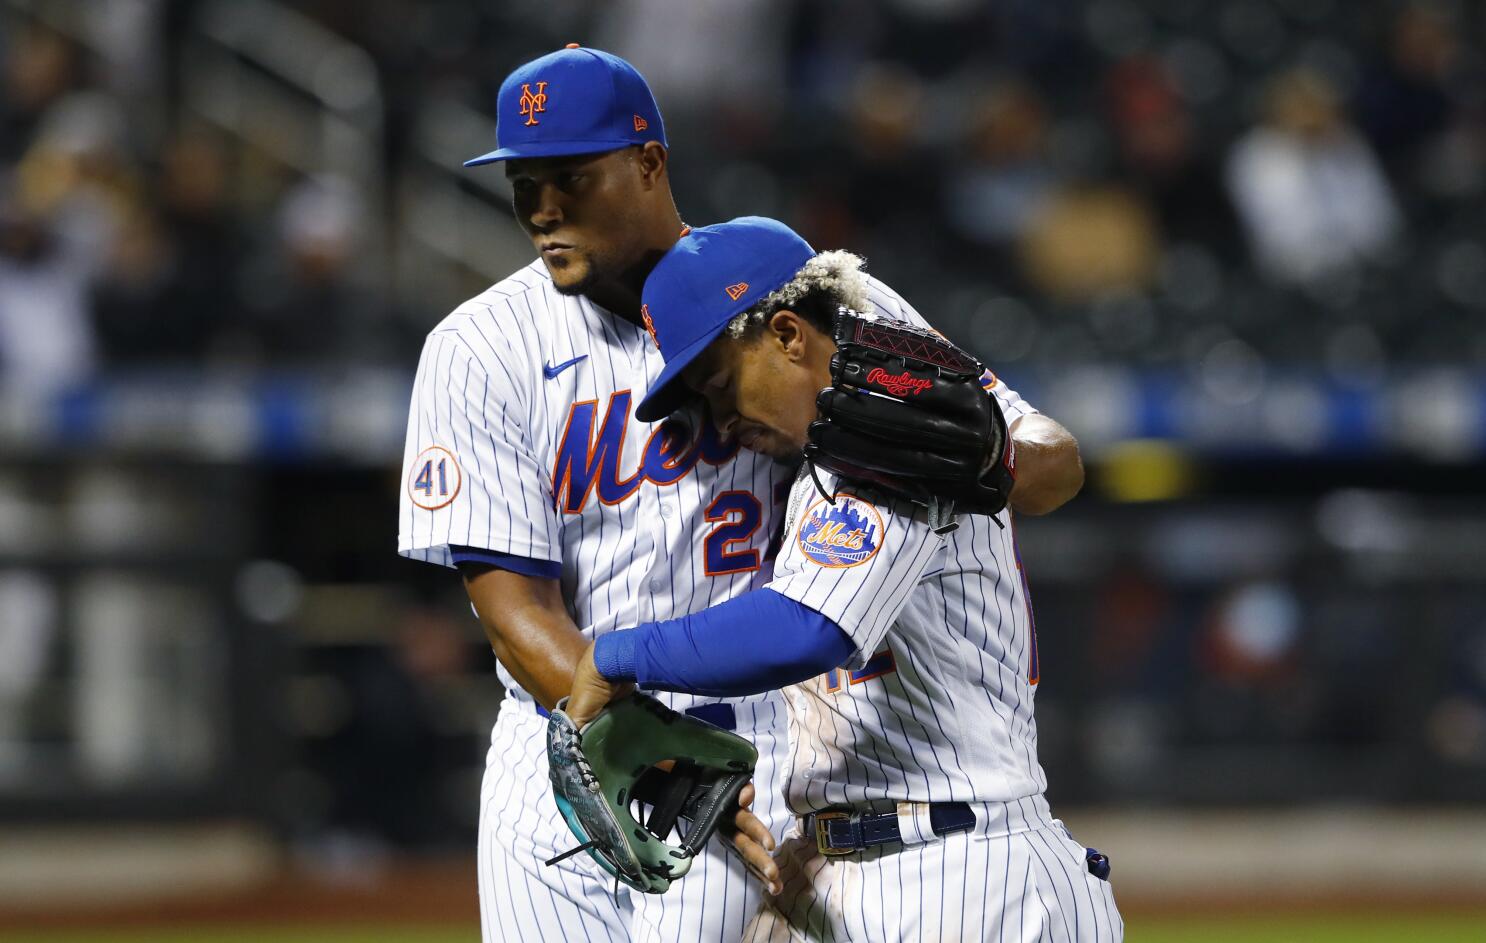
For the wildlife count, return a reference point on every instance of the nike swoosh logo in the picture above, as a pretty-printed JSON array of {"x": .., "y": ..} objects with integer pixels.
[{"x": 551, "y": 372}]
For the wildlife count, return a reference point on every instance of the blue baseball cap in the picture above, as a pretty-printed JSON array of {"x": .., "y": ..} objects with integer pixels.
[
  {"x": 573, "y": 101},
  {"x": 711, "y": 276}
]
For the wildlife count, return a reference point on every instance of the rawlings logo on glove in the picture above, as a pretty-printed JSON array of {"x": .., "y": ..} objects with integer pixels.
[
  {"x": 907, "y": 412},
  {"x": 903, "y": 384}
]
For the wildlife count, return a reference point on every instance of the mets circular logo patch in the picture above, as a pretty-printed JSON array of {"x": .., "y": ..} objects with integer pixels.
[{"x": 842, "y": 534}]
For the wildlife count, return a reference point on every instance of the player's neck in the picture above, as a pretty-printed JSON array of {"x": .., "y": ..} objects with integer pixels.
[{"x": 621, "y": 295}]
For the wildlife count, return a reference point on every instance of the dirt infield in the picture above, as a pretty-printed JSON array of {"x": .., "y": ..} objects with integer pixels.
[
  {"x": 437, "y": 898},
  {"x": 428, "y": 893}
]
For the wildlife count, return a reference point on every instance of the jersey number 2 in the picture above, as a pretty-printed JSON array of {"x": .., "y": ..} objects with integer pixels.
[{"x": 737, "y": 515}]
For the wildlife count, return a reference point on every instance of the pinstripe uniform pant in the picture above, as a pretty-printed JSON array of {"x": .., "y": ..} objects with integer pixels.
[
  {"x": 523, "y": 901},
  {"x": 1027, "y": 886}
]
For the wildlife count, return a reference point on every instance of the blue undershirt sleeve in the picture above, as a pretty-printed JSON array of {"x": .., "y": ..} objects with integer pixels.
[
  {"x": 756, "y": 642},
  {"x": 526, "y": 566}
]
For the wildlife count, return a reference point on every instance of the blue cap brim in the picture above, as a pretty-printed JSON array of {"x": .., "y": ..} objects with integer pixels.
[
  {"x": 548, "y": 149},
  {"x": 668, "y": 393}
]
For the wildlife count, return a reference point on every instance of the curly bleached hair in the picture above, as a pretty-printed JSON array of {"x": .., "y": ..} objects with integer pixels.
[{"x": 825, "y": 283}]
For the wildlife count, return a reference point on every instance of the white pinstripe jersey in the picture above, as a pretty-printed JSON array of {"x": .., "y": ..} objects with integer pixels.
[
  {"x": 522, "y": 440},
  {"x": 935, "y": 704}
]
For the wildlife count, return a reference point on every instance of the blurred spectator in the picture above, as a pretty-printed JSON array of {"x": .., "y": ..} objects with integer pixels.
[
  {"x": 1309, "y": 190},
  {"x": 80, "y": 173},
  {"x": 168, "y": 291},
  {"x": 870, "y": 176},
  {"x": 933, "y": 38},
  {"x": 1405, "y": 98},
  {"x": 75, "y": 191},
  {"x": 132, "y": 313},
  {"x": 303, "y": 306},
  {"x": 1163, "y": 153},
  {"x": 1090, "y": 242},
  {"x": 1249, "y": 665},
  {"x": 889, "y": 179},
  {"x": 39, "y": 68},
  {"x": 1005, "y": 177},
  {"x": 1423, "y": 105},
  {"x": 46, "y": 342},
  {"x": 128, "y": 35},
  {"x": 676, "y": 45}
]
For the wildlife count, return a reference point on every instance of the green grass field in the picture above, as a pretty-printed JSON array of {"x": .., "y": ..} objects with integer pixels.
[
  {"x": 1289, "y": 928},
  {"x": 1301, "y": 928}
]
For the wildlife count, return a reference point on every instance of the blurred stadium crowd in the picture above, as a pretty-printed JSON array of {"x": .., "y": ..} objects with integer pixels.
[
  {"x": 1159, "y": 185},
  {"x": 1104, "y": 180}
]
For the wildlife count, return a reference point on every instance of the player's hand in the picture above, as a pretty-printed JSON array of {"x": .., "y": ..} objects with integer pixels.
[
  {"x": 591, "y": 690},
  {"x": 751, "y": 839}
]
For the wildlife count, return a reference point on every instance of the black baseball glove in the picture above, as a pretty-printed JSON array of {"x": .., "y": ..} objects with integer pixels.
[{"x": 910, "y": 413}]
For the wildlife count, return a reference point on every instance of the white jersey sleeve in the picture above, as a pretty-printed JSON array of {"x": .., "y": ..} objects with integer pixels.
[
  {"x": 471, "y": 476},
  {"x": 853, "y": 561},
  {"x": 890, "y": 304}
]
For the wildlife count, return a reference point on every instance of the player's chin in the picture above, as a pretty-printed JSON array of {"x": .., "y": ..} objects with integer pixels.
[{"x": 570, "y": 276}]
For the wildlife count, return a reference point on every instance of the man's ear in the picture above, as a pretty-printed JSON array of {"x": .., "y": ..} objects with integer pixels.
[
  {"x": 788, "y": 330},
  {"x": 651, "y": 160}
]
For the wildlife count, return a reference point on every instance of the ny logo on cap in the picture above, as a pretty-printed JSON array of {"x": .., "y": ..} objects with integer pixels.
[
  {"x": 532, "y": 105},
  {"x": 736, "y": 291},
  {"x": 649, "y": 325}
]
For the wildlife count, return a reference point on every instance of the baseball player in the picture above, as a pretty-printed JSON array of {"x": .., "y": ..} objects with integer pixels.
[
  {"x": 909, "y": 652},
  {"x": 569, "y": 517}
]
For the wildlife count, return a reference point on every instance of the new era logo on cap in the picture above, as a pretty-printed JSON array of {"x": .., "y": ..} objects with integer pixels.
[
  {"x": 736, "y": 291},
  {"x": 640, "y": 123}
]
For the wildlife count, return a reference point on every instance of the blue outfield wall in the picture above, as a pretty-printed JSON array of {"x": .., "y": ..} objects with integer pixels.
[{"x": 359, "y": 417}]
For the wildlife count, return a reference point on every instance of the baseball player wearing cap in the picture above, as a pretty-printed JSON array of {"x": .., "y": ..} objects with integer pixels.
[
  {"x": 570, "y": 517},
  {"x": 909, "y": 655}
]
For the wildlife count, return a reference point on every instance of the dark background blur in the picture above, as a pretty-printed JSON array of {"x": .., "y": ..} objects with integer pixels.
[{"x": 1239, "y": 248}]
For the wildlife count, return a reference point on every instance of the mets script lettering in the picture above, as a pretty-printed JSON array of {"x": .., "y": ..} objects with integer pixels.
[
  {"x": 588, "y": 458},
  {"x": 840, "y": 535},
  {"x": 835, "y": 534},
  {"x": 898, "y": 384}
]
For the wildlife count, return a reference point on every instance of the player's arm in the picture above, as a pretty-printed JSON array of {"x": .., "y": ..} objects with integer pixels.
[
  {"x": 756, "y": 642},
  {"x": 1049, "y": 469},
  {"x": 529, "y": 628},
  {"x": 476, "y": 498},
  {"x": 837, "y": 588}
]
